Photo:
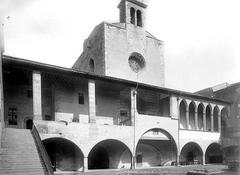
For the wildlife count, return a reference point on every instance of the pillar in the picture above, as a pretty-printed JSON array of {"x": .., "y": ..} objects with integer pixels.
[
  {"x": 203, "y": 159},
  {"x": 85, "y": 164},
  {"x": 133, "y": 162},
  {"x": 187, "y": 118},
  {"x": 91, "y": 101},
  {"x": 219, "y": 121},
  {"x": 133, "y": 105},
  {"x": 196, "y": 118},
  {"x": 204, "y": 122},
  {"x": 212, "y": 122},
  {"x": 37, "y": 95},
  {"x": 178, "y": 158}
]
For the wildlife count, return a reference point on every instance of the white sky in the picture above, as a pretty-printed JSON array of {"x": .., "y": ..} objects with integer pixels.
[{"x": 201, "y": 36}]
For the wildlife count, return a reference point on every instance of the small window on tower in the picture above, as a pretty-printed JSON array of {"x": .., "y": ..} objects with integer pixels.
[
  {"x": 132, "y": 13},
  {"x": 12, "y": 116},
  {"x": 91, "y": 65},
  {"x": 80, "y": 98},
  {"x": 139, "y": 18}
]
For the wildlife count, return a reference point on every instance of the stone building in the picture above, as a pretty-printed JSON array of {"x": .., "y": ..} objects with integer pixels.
[
  {"x": 230, "y": 123},
  {"x": 111, "y": 109}
]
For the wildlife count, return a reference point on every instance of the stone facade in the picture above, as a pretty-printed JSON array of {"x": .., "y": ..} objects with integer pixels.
[
  {"x": 111, "y": 45},
  {"x": 113, "y": 117}
]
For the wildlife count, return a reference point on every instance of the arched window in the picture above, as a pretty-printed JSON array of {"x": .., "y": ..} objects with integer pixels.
[
  {"x": 139, "y": 18},
  {"x": 91, "y": 65},
  {"x": 200, "y": 116},
  {"x": 192, "y": 115},
  {"x": 183, "y": 120},
  {"x": 132, "y": 13},
  {"x": 208, "y": 118},
  {"x": 215, "y": 118}
]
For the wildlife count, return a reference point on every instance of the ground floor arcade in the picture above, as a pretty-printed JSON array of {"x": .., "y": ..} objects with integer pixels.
[{"x": 156, "y": 148}]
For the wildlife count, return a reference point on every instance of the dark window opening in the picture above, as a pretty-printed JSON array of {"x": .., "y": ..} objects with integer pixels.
[
  {"x": 139, "y": 18},
  {"x": 29, "y": 93},
  {"x": 29, "y": 124},
  {"x": 12, "y": 116},
  {"x": 91, "y": 65},
  {"x": 48, "y": 117},
  {"x": 139, "y": 158},
  {"x": 132, "y": 13},
  {"x": 80, "y": 98},
  {"x": 123, "y": 113}
]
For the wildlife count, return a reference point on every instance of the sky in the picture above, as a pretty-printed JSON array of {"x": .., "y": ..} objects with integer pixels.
[{"x": 201, "y": 36}]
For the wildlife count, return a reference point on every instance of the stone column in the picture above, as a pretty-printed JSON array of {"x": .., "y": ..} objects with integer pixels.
[
  {"x": 219, "y": 121},
  {"x": 91, "y": 101},
  {"x": 204, "y": 122},
  {"x": 187, "y": 118},
  {"x": 37, "y": 95},
  {"x": 196, "y": 119},
  {"x": 133, "y": 105},
  {"x": 203, "y": 159},
  {"x": 85, "y": 164},
  {"x": 133, "y": 162}
]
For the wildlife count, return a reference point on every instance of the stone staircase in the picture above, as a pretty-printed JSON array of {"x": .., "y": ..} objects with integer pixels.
[{"x": 20, "y": 154}]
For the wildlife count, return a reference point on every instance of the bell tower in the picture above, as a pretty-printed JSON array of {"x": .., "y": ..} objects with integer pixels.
[{"x": 133, "y": 12}]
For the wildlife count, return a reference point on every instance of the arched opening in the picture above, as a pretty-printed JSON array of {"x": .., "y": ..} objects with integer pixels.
[
  {"x": 214, "y": 154},
  {"x": 132, "y": 14},
  {"x": 208, "y": 118},
  {"x": 29, "y": 124},
  {"x": 224, "y": 116},
  {"x": 215, "y": 118},
  {"x": 64, "y": 154},
  {"x": 139, "y": 18},
  {"x": 91, "y": 65},
  {"x": 200, "y": 116},
  {"x": 183, "y": 120},
  {"x": 191, "y": 154},
  {"x": 156, "y": 148},
  {"x": 109, "y": 154},
  {"x": 192, "y": 115}
]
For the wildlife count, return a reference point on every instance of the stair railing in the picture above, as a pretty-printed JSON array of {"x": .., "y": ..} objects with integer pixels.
[{"x": 43, "y": 153}]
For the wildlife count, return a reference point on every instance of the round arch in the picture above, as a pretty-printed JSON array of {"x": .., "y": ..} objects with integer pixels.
[
  {"x": 110, "y": 154},
  {"x": 183, "y": 109},
  {"x": 64, "y": 154},
  {"x": 156, "y": 147},
  {"x": 214, "y": 154},
  {"x": 191, "y": 153}
]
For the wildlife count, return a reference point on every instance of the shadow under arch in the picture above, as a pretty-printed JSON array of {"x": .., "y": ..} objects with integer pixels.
[
  {"x": 214, "y": 154},
  {"x": 64, "y": 154},
  {"x": 156, "y": 147},
  {"x": 191, "y": 153},
  {"x": 110, "y": 154}
]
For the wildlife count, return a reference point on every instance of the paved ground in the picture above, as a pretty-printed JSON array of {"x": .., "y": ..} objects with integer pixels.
[{"x": 179, "y": 170}]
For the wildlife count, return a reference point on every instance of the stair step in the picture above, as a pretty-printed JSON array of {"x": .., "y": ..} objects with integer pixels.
[{"x": 20, "y": 155}]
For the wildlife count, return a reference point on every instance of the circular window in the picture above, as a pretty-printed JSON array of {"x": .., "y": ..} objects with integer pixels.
[{"x": 136, "y": 62}]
